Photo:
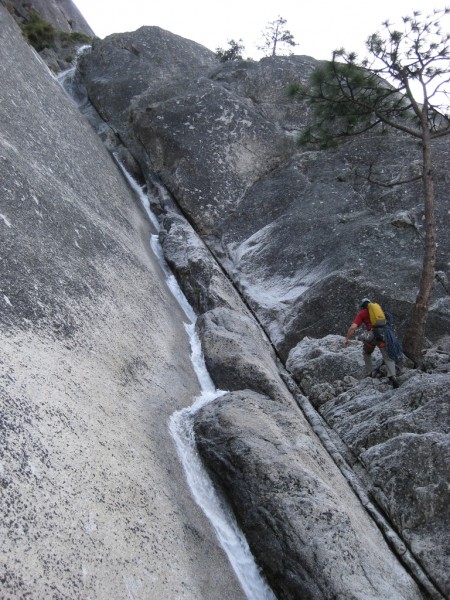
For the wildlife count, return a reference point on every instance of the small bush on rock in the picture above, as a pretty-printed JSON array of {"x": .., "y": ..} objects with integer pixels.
[
  {"x": 41, "y": 34},
  {"x": 38, "y": 32}
]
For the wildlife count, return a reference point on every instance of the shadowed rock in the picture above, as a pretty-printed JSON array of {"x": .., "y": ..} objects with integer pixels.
[
  {"x": 304, "y": 234},
  {"x": 62, "y": 14},
  {"x": 199, "y": 275},
  {"x": 55, "y": 28}
]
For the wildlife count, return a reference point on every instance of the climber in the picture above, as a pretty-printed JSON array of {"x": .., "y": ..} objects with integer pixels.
[{"x": 374, "y": 337}]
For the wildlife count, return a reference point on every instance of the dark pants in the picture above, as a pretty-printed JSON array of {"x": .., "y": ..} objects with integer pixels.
[{"x": 370, "y": 343}]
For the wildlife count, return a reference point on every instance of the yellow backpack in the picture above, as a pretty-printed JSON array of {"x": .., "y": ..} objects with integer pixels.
[{"x": 376, "y": 315}]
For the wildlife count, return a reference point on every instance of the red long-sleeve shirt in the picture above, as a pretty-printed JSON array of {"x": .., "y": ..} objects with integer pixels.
[{"x": 363, "y": 317}]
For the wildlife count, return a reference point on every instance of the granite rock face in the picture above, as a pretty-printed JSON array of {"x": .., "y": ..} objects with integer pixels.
[
  {"x": 97, "y": 357},
  {"x": 94, "y": 359},
  {"x": 62, "y": 14},
  {"x": 149, "y": 55},
  {"x": 303, "y": 234}
]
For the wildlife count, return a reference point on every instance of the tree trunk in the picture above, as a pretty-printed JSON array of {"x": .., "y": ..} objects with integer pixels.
[{"x": 415, "y": 335}]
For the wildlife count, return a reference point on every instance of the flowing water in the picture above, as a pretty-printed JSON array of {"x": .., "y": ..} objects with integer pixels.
[
  {"x": 66, "y": 80},
  {"x": 181, "y": 428},
  {"x": 181, "y": 422}
]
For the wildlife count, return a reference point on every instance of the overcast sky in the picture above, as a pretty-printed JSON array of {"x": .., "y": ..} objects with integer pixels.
[{"x": 318, "y": 26}]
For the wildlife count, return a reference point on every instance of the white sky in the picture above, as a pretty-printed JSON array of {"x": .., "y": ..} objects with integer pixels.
[{"x": 319, "y": 26}]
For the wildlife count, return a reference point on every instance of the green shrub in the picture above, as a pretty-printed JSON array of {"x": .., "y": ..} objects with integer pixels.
[
  {"x": 41, "y": 34},
  {"x": 38, "y": 32}
]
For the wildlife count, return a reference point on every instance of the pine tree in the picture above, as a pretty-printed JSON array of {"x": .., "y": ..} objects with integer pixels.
[
  {"x": 274, "y": 35},
  {"x": 403, "y": 85}
]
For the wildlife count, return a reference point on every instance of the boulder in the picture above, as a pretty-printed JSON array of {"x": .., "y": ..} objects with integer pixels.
[
  {"x": 305, "y": 526},
  {"x": 124, "y": 65},
  {"x": 198, "y": 273},
  {"x": 317, "y": 361},
  {"x": 237, "y": 354}
]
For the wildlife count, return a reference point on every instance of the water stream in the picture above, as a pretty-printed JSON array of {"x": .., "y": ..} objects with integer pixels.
[
  {"x": 217, "y": 511},
  {"x": 180, "y": 424}
]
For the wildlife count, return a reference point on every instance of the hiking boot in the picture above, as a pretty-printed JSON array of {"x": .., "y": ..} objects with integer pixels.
[{"x": 395, "y": 383}]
